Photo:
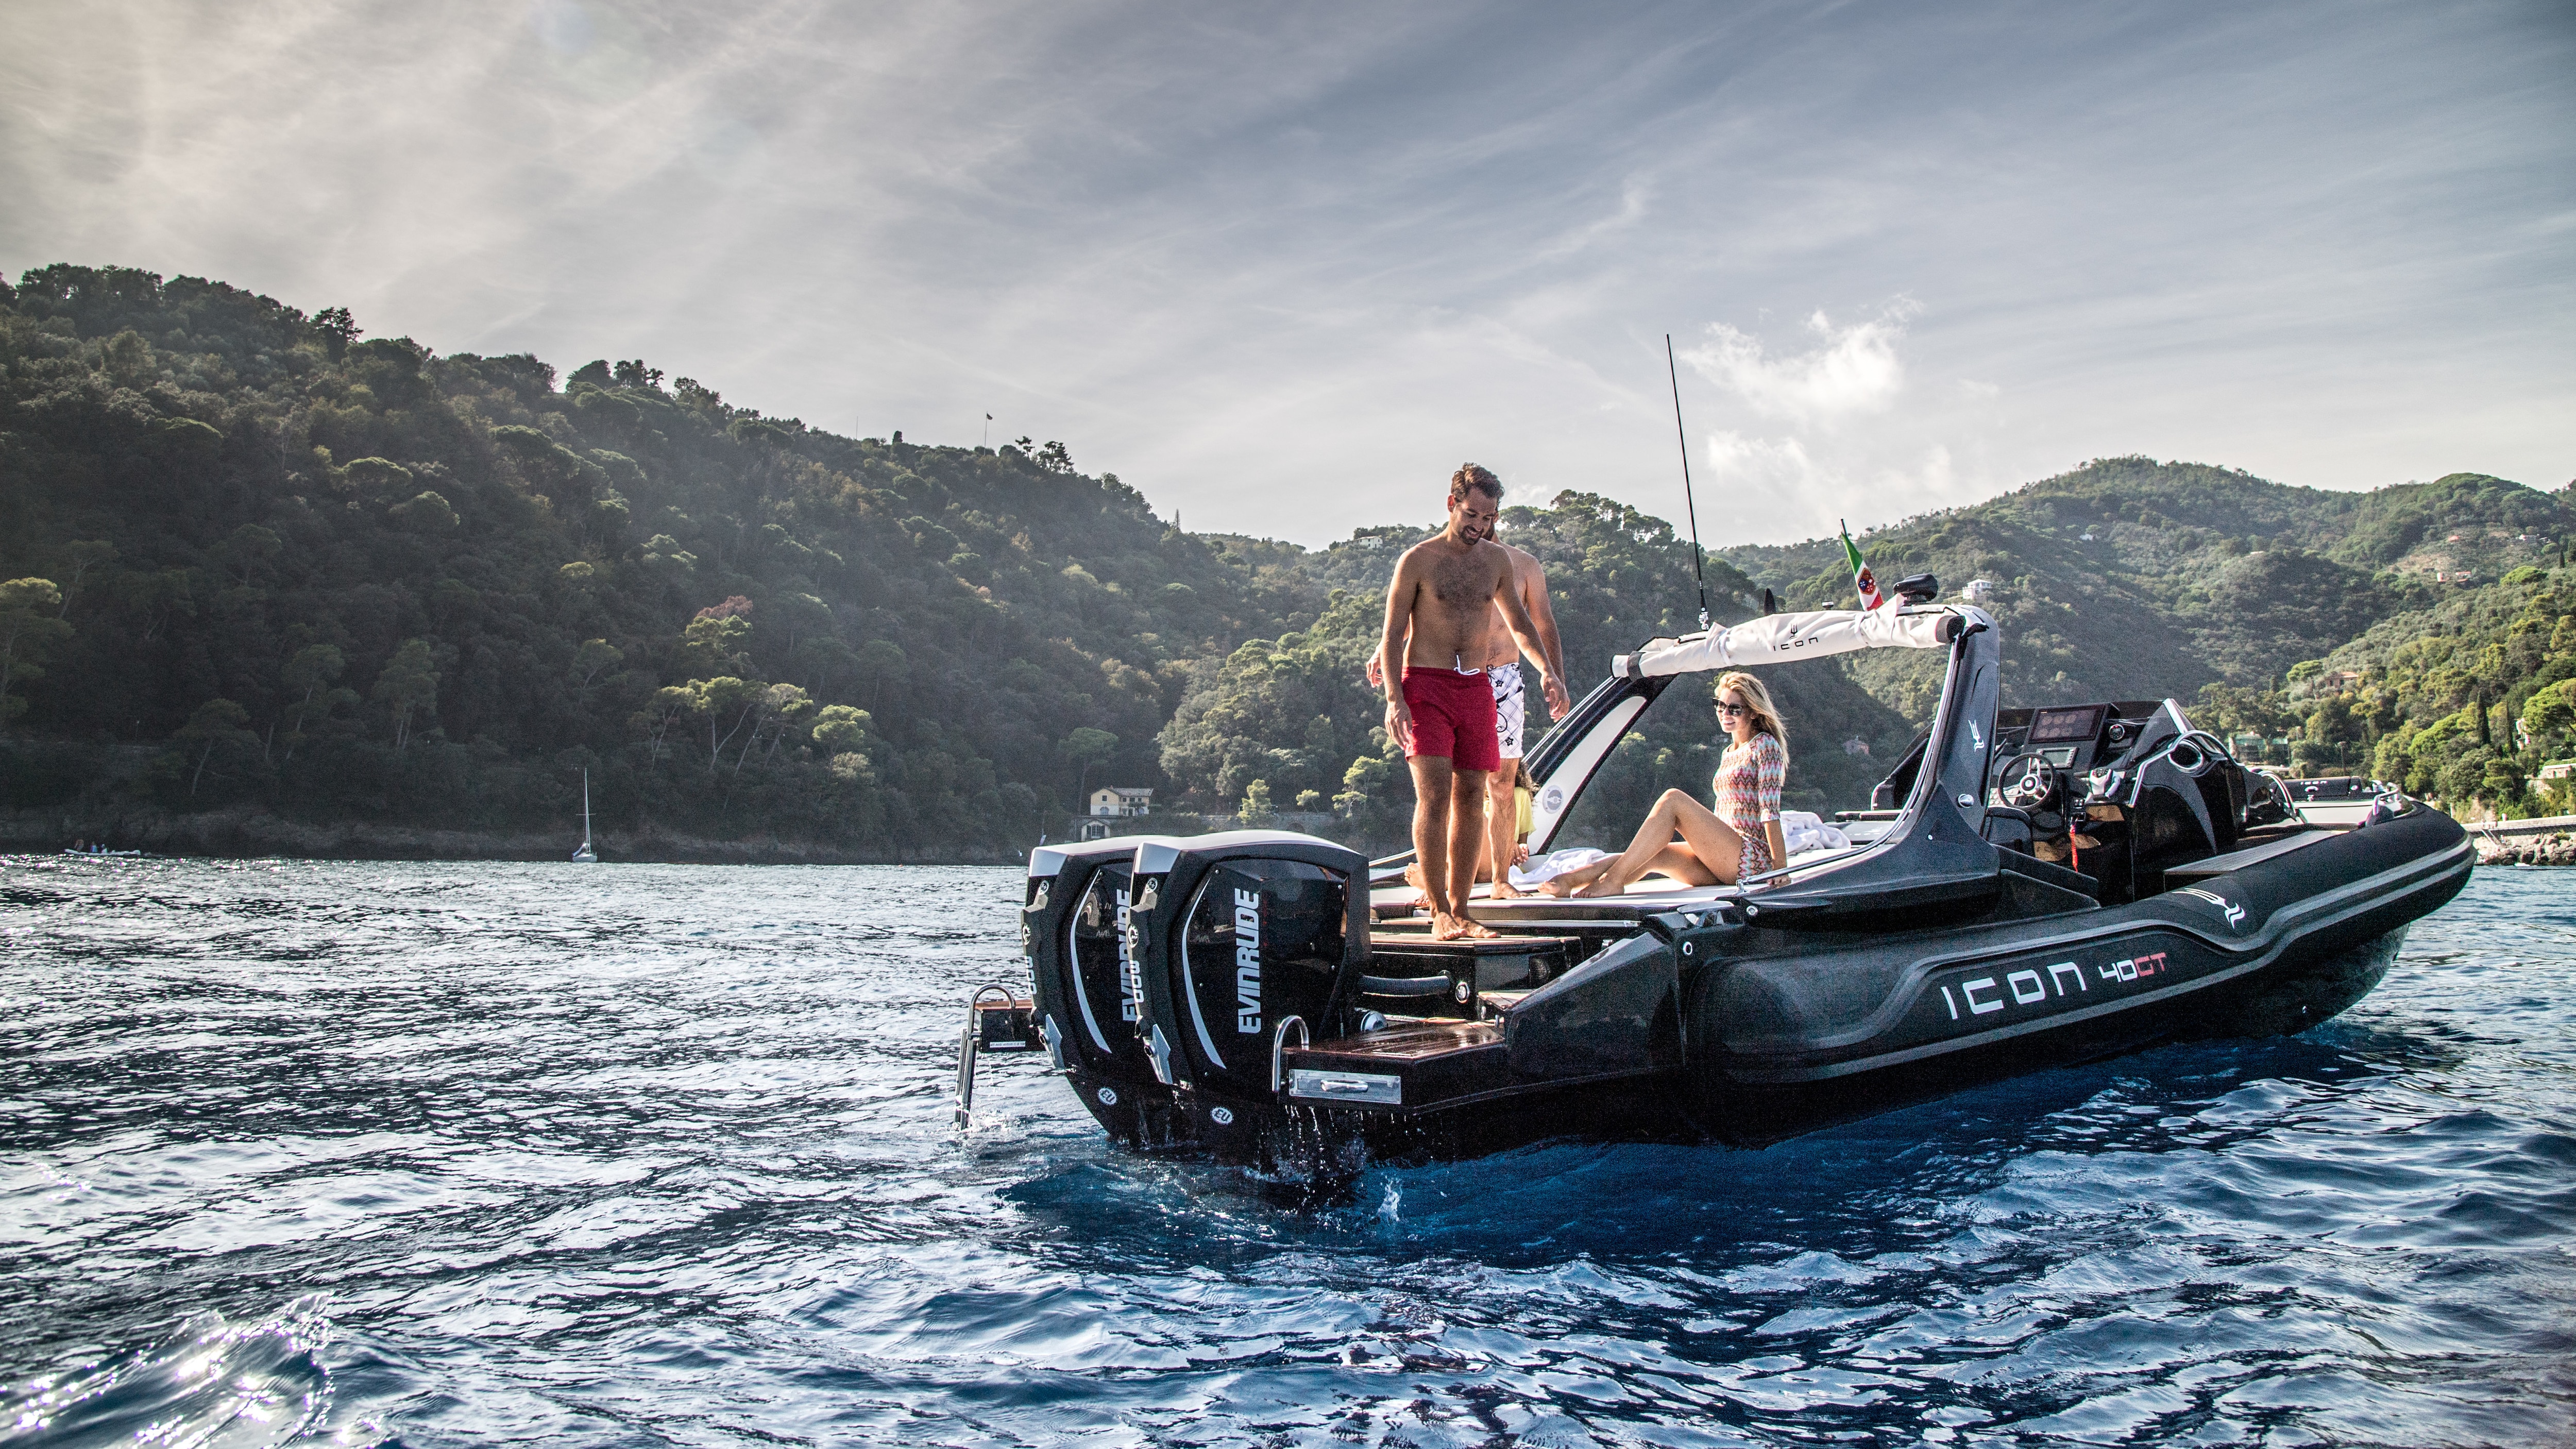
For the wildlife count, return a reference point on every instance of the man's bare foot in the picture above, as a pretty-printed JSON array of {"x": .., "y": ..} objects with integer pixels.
[
  {"x": 1505, "y": 891},
  {"x": 1446, "y": 927},
  {"x": 1475, "y": 930}
]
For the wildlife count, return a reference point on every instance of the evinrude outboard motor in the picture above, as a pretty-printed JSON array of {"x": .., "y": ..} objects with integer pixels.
[
  {"x": 1235, "y": 934},
  {"x": 1089, "y": 996}
]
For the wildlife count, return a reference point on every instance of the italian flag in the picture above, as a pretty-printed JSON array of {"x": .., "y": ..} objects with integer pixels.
[{"x": 1862, "y": 578}]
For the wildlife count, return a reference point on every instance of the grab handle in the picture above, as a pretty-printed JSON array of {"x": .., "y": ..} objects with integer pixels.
[
  {"x": 1404, "y": 986},
  {"x": 1279, "y": 1050}
]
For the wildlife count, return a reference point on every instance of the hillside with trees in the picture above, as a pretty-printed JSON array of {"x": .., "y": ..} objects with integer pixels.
[
  {"x": 2129, "y": 578},
  {"x": 2351, "y": 632},
  {"x": 2463, "y": 702},
  {"x": 271, "y": 565},
  {"x": 261, "y": 573}
]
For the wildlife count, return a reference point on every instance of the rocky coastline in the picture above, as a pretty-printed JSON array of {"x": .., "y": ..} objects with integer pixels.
[{"x": 2559, "y": 849}]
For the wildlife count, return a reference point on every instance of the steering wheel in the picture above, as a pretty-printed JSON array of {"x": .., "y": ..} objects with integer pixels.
[{"x": 2026, "y": 782}]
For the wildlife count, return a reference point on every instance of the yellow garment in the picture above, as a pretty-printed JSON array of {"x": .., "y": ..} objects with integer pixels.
[{"x": 1521, "y": 822}]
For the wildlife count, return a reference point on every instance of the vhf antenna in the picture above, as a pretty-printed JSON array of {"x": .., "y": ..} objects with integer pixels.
[{"x": 1682, "y": 436}]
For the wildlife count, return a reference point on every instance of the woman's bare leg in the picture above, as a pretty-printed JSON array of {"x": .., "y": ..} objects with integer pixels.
[
  {"x": 1566, "y": 883},
  {"x": 1682, "y": 863},
  {"x": 1654, "y": 836},
  {"x": 1710, "y": 839},
  {"x": 1713, "y": 842}
]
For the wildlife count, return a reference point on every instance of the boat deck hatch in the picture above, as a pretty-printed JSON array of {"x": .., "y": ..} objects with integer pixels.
[
  {"x": 1413, "y": 975},
  {"x": 1413, "y": 1063},
  {"x": 1410, "y": 1042}
]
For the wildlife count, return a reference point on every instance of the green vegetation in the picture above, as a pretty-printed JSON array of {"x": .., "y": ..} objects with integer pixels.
[
  {"x": 2463, "y": 702},
  {"x": 263, "y": 561},
  {"x": 254, "y": 560},
  {"x": 2337, "y": 624}
]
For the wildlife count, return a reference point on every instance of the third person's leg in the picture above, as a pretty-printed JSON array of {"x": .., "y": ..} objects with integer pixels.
[
  {"x": 1502, "y": 826},
  {"x": 1502, "y": 804},
  {"x": 1432, "y": 789},
  {"x": 1466, "y": 842}
]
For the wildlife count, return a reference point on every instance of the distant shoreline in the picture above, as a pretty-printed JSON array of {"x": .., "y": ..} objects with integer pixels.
[{"x": 256, "y": 834}]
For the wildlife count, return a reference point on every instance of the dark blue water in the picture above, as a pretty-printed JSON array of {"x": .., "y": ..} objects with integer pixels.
[{"x": 638, "y": 1155}]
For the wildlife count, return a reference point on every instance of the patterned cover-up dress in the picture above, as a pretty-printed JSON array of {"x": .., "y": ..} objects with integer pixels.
[{"x": 1747, "y": 786}]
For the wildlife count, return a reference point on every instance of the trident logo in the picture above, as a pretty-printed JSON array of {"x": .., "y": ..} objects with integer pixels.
[{"x": 2235, "y": 914}]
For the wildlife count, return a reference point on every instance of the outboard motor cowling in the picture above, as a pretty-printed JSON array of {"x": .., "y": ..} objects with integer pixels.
[
  {"x": 1089, "y": 996},
  {"x": 1234, "y": 933}
]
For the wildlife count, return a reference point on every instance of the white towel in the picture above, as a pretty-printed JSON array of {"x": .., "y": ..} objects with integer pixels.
[
  {"x": 1553, "y": 864},
  {"x": 1804, "y": 830}
]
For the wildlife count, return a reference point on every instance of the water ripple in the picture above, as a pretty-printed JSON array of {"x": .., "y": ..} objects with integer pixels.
[{"x": 448, "y": 1154}]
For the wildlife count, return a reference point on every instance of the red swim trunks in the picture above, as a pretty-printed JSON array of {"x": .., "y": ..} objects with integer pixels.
[{"x": 1453, "y": 715}]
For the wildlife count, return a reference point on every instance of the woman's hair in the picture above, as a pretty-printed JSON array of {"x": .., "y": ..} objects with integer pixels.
[{"x": 1766, "y": 715}]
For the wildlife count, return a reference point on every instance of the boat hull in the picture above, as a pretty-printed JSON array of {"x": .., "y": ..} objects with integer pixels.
[
  {"x": 2040, "y": 887},
  {"x": 2275, "y": 947},
  {"x": 1770, "y": 1032}
]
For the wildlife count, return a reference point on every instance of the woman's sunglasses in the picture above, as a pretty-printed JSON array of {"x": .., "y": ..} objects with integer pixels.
[{"x": 1723, "y": 708}]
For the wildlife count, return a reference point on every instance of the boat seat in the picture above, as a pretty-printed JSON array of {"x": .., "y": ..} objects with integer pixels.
[
  {"x": 2031, "y": 867},
  {"x": 2239, "y": 859}
]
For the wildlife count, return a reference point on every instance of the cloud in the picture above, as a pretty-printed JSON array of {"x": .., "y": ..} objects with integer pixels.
[
  {"x": 1776, "y": 489},
  {"x": 1634, "y": 197},
  {"x": 1780, "y": 467},
  {"x": 1283, "y": 267},
  {"x": 1854, "y": 370},
  {"x": 1859, "y": 444},
  {"x": 1858, "y": 447}
]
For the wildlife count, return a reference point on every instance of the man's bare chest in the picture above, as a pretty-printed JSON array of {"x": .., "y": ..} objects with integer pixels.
[{"x": 1463, "y": 583}]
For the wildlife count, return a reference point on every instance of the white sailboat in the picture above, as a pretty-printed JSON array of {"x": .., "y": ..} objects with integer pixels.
[{"x": 585, "y": 855}]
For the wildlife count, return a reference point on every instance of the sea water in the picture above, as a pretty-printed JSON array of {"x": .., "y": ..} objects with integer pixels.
[{"x": 468, "y": 1154}]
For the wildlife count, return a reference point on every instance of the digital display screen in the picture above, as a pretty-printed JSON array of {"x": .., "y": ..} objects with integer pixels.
[{"x": 2053, "y": 726}]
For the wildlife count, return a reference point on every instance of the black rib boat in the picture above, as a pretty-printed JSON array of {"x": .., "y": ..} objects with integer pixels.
[{"x": 2028, "y": 888}]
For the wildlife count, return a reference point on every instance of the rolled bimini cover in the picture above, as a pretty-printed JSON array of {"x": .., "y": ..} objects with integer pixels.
[{"x": 1779, "y": 638}]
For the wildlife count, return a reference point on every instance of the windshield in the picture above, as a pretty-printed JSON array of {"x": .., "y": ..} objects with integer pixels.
[{"x": 1842, "y": 740}]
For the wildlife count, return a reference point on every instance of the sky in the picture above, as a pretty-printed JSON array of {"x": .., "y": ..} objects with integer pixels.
[{"x": 1284, "y": 267}]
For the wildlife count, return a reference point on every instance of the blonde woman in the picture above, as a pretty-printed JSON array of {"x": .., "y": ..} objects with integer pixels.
[{"x": 1740, "y": 838}]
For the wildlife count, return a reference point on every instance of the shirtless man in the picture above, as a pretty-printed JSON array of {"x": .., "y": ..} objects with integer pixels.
[
  {"x": 1440, "y": 612},
  {"x": 1502, "y": 669}
]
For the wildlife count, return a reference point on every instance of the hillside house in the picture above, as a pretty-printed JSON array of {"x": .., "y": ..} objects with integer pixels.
[{"x": 1118, "y": 802}]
